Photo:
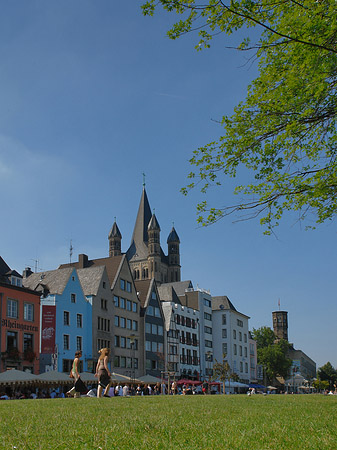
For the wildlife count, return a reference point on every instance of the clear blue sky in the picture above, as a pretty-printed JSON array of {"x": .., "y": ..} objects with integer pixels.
[{"x": 92, "y": 95}]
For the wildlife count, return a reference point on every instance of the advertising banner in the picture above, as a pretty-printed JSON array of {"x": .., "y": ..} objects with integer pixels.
[{"x": 48, "y": 329}]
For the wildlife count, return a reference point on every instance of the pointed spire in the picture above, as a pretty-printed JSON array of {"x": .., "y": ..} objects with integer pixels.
[
  {"x": 114, "y": 232},
  {"x": 153, "y": 224},
  {"x": 173, "y": 236},
  {"x": 143, "y": 218}
]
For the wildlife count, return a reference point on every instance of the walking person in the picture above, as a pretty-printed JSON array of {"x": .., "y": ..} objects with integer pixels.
[
  {"x": 103, "y": 373},
  {"x": 74, "y": 373}
]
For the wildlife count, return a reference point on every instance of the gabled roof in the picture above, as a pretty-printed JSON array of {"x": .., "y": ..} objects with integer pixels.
[
  {"x": 143, "y": 288},
  {"x": 54, "y": 280},
  {"x": 90, "y": 279},
  {"x": 180, "y": 286},
  {"x": 112, "y": 264},
  {"x": 4, "y": 268},
  {"x": 153, "y": 224},
  {"x": 222, "y": 302},
  {"x": 168, "y": 294}
]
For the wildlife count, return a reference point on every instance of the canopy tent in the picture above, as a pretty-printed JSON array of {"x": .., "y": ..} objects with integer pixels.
[
  {"x": 150, "y": 379},
  {"x": 55, "y": 377},
  {"x": 13, "y": 376},
  {"x": 256, "y": 386},
  {"x": 88, "y": 377}
]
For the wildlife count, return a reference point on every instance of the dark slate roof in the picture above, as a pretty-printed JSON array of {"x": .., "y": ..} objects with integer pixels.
[
  {"x": 173, "y": 236},
  {"x": 112, "y": 264},
  {"x": 222, "y": 302},
  {"x": 90, "y": 279},
  {"x": 153, "y": 224},
  {"x": 54, "y": 281},
  {"x": 4, "y": 268},
  {"x": 143, "y": 288},
  {"x": 13, "y": 273},
  {"x": 168, "y": 294},
  {"x": 114, "y": 232},
  {"x": 180, "y": 286}
]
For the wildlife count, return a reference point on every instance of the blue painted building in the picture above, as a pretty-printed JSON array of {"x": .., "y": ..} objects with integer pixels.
[{"x": 66, "y": 319}]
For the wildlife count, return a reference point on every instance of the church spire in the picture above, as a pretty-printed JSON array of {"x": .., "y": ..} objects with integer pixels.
[{"x": 115, "y": 240}]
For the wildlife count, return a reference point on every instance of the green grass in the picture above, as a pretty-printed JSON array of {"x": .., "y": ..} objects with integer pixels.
[{"x": 306, "y": 422}]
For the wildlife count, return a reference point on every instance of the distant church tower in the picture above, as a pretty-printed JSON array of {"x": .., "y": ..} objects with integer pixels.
[
  {"x": 173, "y": 242},
  {"x": 115, "y": 241},
  {"x": 154, "y": 255},
  {"x": 280, "y": 324}
]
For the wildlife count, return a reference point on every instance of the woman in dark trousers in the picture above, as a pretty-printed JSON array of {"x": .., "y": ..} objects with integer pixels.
[
  {"x": 74, "y": 373},
  {"x": 103, "y": 373}
]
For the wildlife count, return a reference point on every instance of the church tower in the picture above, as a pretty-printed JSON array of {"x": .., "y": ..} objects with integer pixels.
[
  {"x": 280, "y": 324},
  {"x": 154, "y": 255},
  {"x": 173, "y": 243},
  {"x": 115, "y": 241}
]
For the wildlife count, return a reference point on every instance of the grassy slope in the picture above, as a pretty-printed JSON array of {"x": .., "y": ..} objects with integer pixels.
[{"x": 201, "y": 422}]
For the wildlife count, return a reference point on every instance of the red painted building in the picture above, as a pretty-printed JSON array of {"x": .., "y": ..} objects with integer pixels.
[{"x": 20, "y": 325}]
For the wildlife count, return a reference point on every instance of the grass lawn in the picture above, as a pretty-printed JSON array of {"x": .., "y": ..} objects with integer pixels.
[{"x": 278, "y": 422}]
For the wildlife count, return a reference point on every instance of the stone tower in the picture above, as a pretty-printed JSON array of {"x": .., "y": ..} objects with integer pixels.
[
  {"x": 173, "y": 243},
  {"x": 280, "y": 324},
  {"x": 115, "y": 241},
  {"x": 154, "y": 256}
]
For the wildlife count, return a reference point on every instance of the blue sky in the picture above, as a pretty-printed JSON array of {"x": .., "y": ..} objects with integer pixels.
[{"x": 93, "y": 94}]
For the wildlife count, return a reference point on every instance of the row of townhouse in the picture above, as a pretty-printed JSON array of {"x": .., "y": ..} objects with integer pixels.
[{"x": 134, "y": 303}]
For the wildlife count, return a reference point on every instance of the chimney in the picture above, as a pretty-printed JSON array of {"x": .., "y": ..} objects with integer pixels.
[
  {"x": 27, "y": 272},
  {"x": 82, "y": 261}
]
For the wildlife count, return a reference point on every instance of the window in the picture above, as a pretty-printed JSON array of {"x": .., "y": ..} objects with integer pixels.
[
  {"x": 207, "y": 316},
  {"x": 73, "y": 298},
  {"x": 148, "y": 346},
  {"x": 123, "y": 342},
  {"x": 208, "y": 330},
  {"x": 147, "y": 328},
  {"x": 239, "y": 322},
  {"x": 122, "y": 322},
  {"x": 129, "y": 305},
  {"x": 160, "y": 330},
  {"x": 224, "y": 332},
  {"x": 28, "y": 312},
  {"x": 135, "y": 325},
  {"x": 240, "y": 336},
  {"x": 235, "y": 350},
  {"x": 240, "y": 348},
  {"x": 12, "y": 340},
  {"x": 234, "y": 334},
  {"x": 122, "y": 303},
  {"x": 241, "y": 366},
  {"x": 129, "y": 324},
  {"x": 117, "y": 341},
  {"x": 78, "y": 343},
  {"x": 12, "y": 308},
  {"x": 224, "y": 319},
  {"x": 128, "y": 286},
  {"x": 246, "y": 367},
  {"x": 66, "y": 318},
  {"x": 122, "y": 284},
  {"x": 153, "y": 328},
  {"x": 27, "y": 341},
  {"x": 116, "y": 300},
  {"x": 150, "y": 311},
  {"x": 116, "y": 321},
  {"x": 160, "y": 347},
  {"x": 79, "y": 321},
  {"x": 208, "y": 344},
  {"x": 104, "y": 304},
  {"x": 134, "y": 307},
  {"x": 66, "y": 341},
  {"x": 157, "y": 312},
  {"x": 245, "y": 338},
  {"x": 224, "y": 348},
  {"x": 245, "y": 350},
  {"x": 154, "y": 347},
  {"x": 135, "y": 363},
  {"x": 116, "y": 361},
  {"x": 207, "y": 303},
  {"x": 123, "y": 361}
]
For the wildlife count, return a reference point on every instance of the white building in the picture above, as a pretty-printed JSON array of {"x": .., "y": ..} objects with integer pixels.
[{"x": 231, "y": 336}]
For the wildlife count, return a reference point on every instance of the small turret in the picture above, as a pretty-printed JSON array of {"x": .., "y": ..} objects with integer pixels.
[
  {"x": 115, "y": 241},
  {"x": 173, "y": 243},
  {"x": 154, "y": 255}
]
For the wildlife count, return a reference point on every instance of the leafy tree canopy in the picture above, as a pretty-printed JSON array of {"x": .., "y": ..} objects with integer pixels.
[
  {"x": 328, "y": 373},
  {"x": 271, "y": 353},
  {"x": 285, "y": 130}
]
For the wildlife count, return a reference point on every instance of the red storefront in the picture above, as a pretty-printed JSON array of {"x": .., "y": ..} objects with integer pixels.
[{"x": 20, "y": 328}]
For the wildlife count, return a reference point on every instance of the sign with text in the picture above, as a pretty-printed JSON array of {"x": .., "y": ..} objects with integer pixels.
[{"x": 48, "y": 329}]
